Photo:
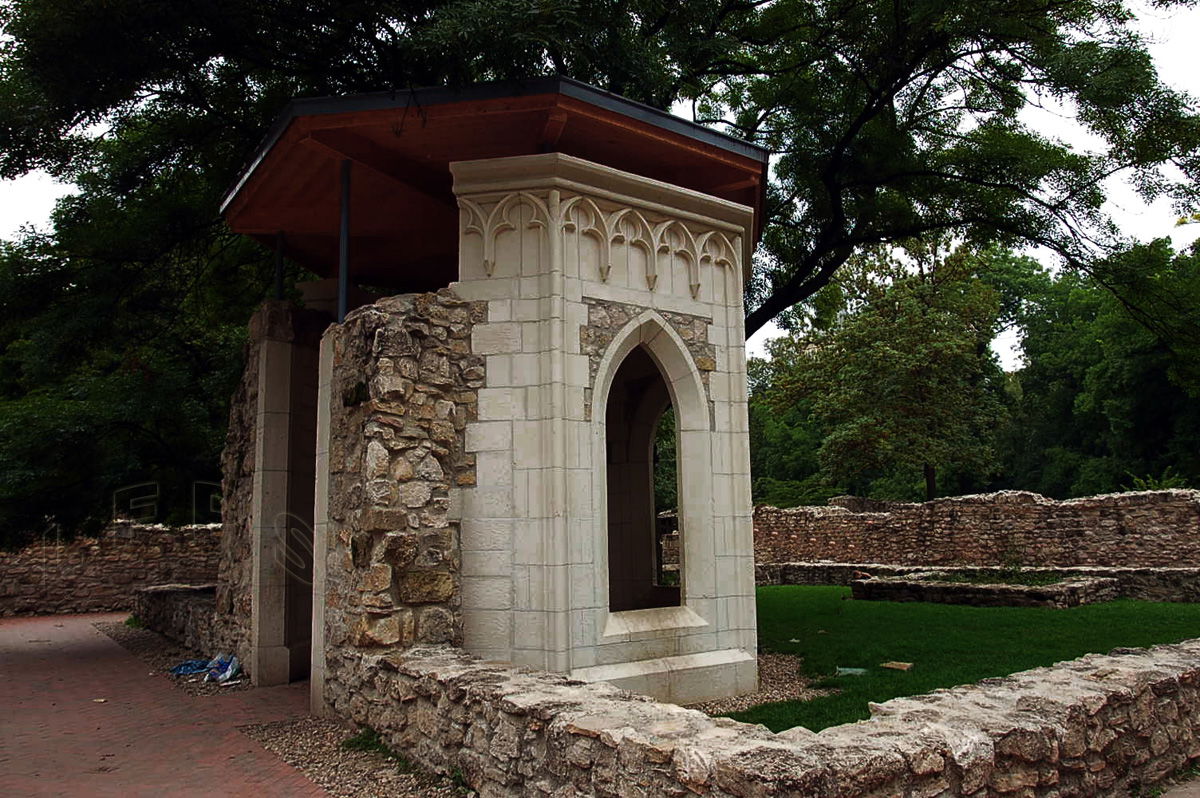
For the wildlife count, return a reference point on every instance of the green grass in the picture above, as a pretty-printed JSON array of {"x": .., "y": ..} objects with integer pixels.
[
  {"x": 134, "y": 622},
  {"x": 947, "y": 644}
]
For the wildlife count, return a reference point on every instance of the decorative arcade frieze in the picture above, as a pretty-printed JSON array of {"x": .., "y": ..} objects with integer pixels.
[{"x": 608, "y": 224}]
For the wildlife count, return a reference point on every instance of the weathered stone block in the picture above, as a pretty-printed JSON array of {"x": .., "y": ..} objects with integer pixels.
[
  {"x": 435, "y": 625},
  {"x": 415, "y": 494},
  {"x": 377, "y": 577},
  {"x": 423, "y": 587}
]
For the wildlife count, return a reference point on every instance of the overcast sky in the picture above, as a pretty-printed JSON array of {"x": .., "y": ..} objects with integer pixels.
[{"x": 1173, "y": 37}]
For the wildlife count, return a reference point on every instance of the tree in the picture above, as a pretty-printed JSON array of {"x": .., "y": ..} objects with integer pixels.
[
  {"x": 900, "y": 375},
  {"x": 111, "y": 373},
  {"x": 891, "y": 120},
  {"x": 121, "y": 333},
  {"x": 1106, "y": 402},
  {"x": 899, "y": 120},
  {"x": 784, "y": 440}
]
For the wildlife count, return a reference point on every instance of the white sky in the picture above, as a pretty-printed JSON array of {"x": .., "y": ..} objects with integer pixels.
[{"x": 1172, "y": 36}]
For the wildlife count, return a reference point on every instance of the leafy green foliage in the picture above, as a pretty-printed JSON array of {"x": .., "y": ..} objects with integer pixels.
[
  {"x": 898, "y": 372},
  {"x": 1105, "y": 400},
  {"x": 115, "y": 371},
  {"x": 903, "y": 120},
  {"x": 947, "y": 644},
  {"x": 1102, "y": 395},
  {"x": 1168, "y": 480},
  {"x": 783, "y": 452},
  {"x": 666, "y": 464}
]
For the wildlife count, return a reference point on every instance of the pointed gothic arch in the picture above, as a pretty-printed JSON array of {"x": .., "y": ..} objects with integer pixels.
[{"x": 646, "y": 370}]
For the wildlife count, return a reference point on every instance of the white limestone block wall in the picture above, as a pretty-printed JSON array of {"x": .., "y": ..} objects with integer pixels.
[{"x": 579, "y": 264}]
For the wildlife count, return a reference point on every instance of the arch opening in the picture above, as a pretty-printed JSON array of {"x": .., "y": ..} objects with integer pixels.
[{"x": 636, "y": 413}]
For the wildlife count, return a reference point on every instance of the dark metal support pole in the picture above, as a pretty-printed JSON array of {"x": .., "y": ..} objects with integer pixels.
[
  {"x": 279, "y": 265},
  {"x": 344, "y": 245}
]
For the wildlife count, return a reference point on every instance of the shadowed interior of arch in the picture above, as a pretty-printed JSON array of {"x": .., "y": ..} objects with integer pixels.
[{"x": 637, "y": 401}]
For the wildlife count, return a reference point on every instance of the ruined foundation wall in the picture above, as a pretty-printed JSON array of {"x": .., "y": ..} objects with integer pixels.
[
  {"x": 1145, "y": 584},
  {"x": 1098, "y": 725},
  {"x": 100, "y": 573},
  {"x": 404, "y": 386},
  {"x": 1145, "y": 529}
]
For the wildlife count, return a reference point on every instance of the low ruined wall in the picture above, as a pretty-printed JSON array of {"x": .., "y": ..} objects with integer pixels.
[
  {"x": 1072, "y": 592},
  {"x": 100, "y": 574},
  {"x": 1098, "y": 725},
  {"x": 1154, "y": 528},
  {"x": 1146, "y": 584},
  {"x": 183, "y": 613}
]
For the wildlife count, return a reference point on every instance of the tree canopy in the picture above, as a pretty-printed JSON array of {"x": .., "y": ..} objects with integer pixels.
[
  {"x": 890, "y": 121},
  {"x": 859, "y": 400},
  {"x": 1103, "y": 402},
  {"x": 900, "y": 375},
  {"x": 903, "y": 120}
]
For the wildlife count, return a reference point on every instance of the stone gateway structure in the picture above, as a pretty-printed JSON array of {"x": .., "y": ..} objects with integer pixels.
[{"x": 469, "y": 461}]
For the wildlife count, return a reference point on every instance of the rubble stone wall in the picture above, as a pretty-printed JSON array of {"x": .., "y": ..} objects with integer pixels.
[
  {"x": 1098, "y": 725},
  {"x": 1150, "y": 529},
  {"x": 100, "y": 574},
  {"x": 1146, "y": 584},
  {"x": 232, "y": 610},
  {"x": 183, "y": 613},
  {"x": 404, "y": 386},
  {"x": 1071, "y": 592}
]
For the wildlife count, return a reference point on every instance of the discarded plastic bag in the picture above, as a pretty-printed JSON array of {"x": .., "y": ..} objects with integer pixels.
[
  {"x": 190, "y": 667},
  {"x": 222, "y": 668}
]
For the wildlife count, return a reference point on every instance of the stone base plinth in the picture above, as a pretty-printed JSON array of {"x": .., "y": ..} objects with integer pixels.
[{"x": 685, "y": 679}]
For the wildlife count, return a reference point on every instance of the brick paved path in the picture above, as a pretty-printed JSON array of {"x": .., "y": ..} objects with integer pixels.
[{"x": 147, "y": 739}]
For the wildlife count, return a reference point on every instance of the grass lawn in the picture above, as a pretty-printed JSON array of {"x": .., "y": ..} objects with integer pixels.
[{"x": 947, "y": 644}]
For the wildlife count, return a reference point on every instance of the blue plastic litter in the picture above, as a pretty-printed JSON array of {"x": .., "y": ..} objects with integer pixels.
[
  {"x": 189, "y": 667},
  {"x": 222, "y": 668}
]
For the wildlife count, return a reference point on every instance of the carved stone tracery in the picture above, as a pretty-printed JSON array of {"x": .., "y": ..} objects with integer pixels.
[
  {"x": 622, "y": 224},
  {"x": 488, "y": 225},
  {"x": 606, "y": 319}
]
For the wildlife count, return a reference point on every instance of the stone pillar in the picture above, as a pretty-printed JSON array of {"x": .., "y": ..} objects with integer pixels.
[
  {"x": 282, "y": 491},
  {"x": 321, "y": 531},
  {"x": 579, "y": 265}
]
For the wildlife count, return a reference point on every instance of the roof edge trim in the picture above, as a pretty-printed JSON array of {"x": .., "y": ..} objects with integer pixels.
[{"x": 439, "y": 95}]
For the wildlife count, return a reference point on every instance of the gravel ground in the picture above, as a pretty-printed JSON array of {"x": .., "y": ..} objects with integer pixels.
[
  {"x": 779, "y": 679},
  {"x": 162, "y": 654},
  {"x": 314, "y": 746}
]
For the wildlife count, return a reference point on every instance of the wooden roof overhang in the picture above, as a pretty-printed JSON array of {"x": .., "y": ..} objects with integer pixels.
[{"x": 403, "y": 214}]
